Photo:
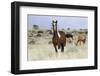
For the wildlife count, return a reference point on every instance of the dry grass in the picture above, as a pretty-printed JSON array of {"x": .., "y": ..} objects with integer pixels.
[{"x": 43, "y": 49}]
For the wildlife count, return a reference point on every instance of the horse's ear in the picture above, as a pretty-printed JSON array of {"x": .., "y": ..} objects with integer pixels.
[
  {"x": 56, "y": 21},
  {"x": 52, "y": 21}
]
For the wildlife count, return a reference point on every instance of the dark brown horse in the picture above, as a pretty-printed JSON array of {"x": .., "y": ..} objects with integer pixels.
[
  {"x": 59, "y": 37},
  {"x": 70, "y": 37}
]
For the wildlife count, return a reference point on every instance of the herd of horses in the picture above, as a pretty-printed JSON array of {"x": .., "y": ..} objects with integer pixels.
[{"x": 59, "y": 38}]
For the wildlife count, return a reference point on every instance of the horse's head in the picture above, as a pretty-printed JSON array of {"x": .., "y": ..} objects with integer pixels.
[{"x": 54, "y": 24}]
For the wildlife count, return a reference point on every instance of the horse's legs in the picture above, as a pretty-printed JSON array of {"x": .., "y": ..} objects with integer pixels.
[
  {"x": 70, "y": 41},
  {"x": 84, "y": 41},
  {"x": 55, "y": 48},
  {"x": 80, "y": 42},
  {"x": 72, "y": 37},
  {"x": 62, "y": 48},
  {"x": 58, "y": 46},
  {"x": 77, "y": 42}
]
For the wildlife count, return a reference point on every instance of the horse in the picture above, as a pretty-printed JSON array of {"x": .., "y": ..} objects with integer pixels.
[
  {"x": 81, "y": 39},
  {"x": 69, "y": 37},
  {"x": 59, "y": 37}
]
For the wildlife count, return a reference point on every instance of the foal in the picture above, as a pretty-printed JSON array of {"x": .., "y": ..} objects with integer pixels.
[
  {"x": 59, "y": 37},
  {"x": 81, "y": 39}
]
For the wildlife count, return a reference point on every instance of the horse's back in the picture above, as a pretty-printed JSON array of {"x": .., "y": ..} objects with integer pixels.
[{"x": 62, "y": 33}]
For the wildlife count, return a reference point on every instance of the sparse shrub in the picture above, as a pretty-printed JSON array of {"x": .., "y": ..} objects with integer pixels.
[
  {"x": 38, "y": 35},
  {"x": 50, "y": 32},
  {"x": 31, "y": 42},
  {"x": 86, "y": 32},
  {"x": 36, "y": 27},
  {"x": 68, "y": 28},
  {"x": 40, "y": 31},
  {"x": 33, "y": 31},
  {"x": 80, "y": 32},
  {"x": 30, "y": 34},
  {"x": 50, "y": 42}
]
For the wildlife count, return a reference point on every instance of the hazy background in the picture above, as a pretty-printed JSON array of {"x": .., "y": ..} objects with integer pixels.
[{"x": 64, "y": 22}]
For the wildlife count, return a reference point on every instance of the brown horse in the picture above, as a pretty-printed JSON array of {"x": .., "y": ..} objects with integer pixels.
[
  {"x": 69, "y": 37},
  {"x": 81, "y": 39},
  {"x": 59, "y": 37}
]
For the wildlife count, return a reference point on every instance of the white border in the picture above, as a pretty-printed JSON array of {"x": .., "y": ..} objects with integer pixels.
[{"x": 24, "y": 64}]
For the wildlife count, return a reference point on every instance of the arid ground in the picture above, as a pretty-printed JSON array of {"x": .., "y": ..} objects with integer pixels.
[{"x": 40, "y": 47}]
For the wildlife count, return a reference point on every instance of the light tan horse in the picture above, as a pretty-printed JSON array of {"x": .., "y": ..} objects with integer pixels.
[{"x": 81, "y": 39}]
